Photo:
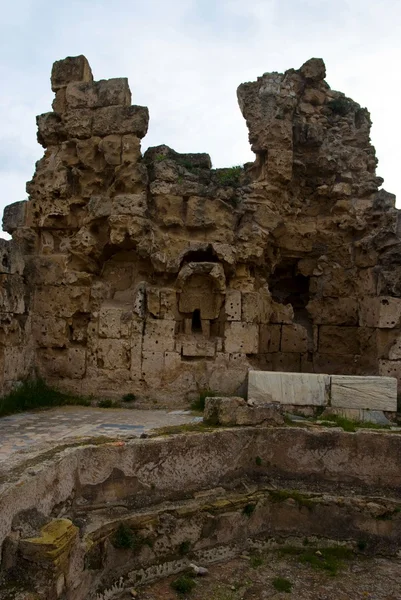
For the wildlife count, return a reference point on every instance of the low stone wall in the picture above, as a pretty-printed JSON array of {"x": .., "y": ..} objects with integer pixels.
[{"x": 193, "y": 485}]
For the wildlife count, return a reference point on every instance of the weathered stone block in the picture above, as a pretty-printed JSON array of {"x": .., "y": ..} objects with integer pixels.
[
  {"x": 159, "y": 336},
  {"x": 383, "y": 312},
  {"x": 96, "y": 94},
  {"x": 250, "y": 307},
  {"x": 115, "y": 322},
  {"x": 78, "y": 123},
  {"x": 61, "y": 301},
  {"x": 129, "y": 204},
  {"x": 288, "y": 388},
  {"x": 51, "y": 129},
  {"x": 241, "y": 337},
  {"x": 269, "y": 338},
  {"x": 334, "y": 311},
  {"x": 294, "y": 338},
  {"x": 339, "y": 340},
  {"x": 152, "y": 368},
  {"x": 131, "y": 148},
  {"x": 49, "y": 331},
  {"x": 235, "y": 411},
  {"x": 391, "y": 368},
  {"x": 198, "y": 348},
  {"x": 111, "y": 146},
  {"x": 121, "y": 120},
  {"x": 64, "y": 363},
  {"x": 113, "y": 354},
  {"x": 376, "y": 393},
  {"x": 72, "y": 68},
  {"x": 233, "y": 305},
  {"x": 12, "y": 293},
  {"x": 14, "y": 216}
]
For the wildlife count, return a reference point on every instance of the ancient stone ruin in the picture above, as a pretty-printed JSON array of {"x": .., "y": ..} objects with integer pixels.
[{"x": 160, "y": 276}]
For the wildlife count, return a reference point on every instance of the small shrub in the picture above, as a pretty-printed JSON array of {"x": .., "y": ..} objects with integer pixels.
[
  {"x": 106, "y": 403},
  {"x": 258, "y": 461},
  {"x": 160, "y": 157},
  {"x": 184, "y": 547},
  {"x": 340, "y": 106},
  {"x": 129, "y": 398},
  {"x": 35, "y": 393},
  {"x": 198, "y": 405},
  {"x": 281, "y": 584},
  {"x": 256, "y": 560},
  {"x": 230, "y": 177},
  {"x": 123, "y": 537},
  {"x": 183, "y": 584},
  {"x": 249, "y": 509}
]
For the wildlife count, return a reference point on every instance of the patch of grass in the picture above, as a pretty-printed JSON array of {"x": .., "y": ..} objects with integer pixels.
[
  {"x": 256, "y": 560},
  {"x": 35, "y": 393},
  {"x": 327, "y": 559},
  {"x": 184, "y": 428},
  {"x": 231, "y": 176},
  {"x": 160, "y": 157},
  {"x": 183, "y": 584},
  {"x": 198, "y": 405},
  {"x": 258, "y": 461},
  {"x": 249, "y": 509},
  {"x": 282, "y": 495},
  {"x": 129, "y": 398},
  {"x": 184, "y": 548},
  {"x": 281, "y": 584},
  {"x": 106, "y": 403},
  {"x": 352, "y": 426}
]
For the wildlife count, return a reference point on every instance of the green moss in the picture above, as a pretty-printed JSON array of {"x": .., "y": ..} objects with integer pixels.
[
  {"x": 183, "y": 584},
  {"x": 258, "y": 461},
  {"x": 281, "y": 584},
  {"x": 35, "y": 393},
  {"x": 282, "y": 495}
]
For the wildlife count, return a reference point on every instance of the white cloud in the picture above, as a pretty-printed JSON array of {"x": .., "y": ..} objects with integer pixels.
[{"x": 185, "y": 59}]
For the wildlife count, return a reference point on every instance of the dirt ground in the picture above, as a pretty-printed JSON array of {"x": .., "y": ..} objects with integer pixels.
[{"x": 254, "y": 577}]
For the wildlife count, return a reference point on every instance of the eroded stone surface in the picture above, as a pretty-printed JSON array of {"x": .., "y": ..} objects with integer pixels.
[{"x": 157, "y": 275}]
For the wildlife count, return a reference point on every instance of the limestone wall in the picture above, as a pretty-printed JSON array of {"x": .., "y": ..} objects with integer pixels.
[{"x": 160, "y": 276}]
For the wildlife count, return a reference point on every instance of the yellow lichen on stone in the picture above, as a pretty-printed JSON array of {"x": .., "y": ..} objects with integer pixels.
[{"x": 53, "y": 545}]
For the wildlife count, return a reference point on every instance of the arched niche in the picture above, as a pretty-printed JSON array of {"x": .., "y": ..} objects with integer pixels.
[{"x": 201, "y": 287}]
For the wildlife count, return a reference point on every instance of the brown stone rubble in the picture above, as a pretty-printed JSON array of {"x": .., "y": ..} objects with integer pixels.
[{"x": 160, "y": 276}]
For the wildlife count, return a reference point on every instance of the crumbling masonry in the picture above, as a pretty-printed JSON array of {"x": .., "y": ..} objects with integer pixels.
[{"x": 160, "y": 276}]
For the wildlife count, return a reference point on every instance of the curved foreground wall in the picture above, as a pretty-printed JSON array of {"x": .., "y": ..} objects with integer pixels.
[{"x": 90, "y": 521}]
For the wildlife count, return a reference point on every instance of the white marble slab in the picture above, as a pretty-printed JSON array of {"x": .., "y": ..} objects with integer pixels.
[
  {"x": 374, "y": 393},
  {"x": 303, "y": 389}
]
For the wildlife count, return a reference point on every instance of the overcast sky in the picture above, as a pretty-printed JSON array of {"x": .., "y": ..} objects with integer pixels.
[{"x": 184, "y": 60}]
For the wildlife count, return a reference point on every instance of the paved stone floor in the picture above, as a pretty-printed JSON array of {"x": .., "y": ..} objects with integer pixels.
[{"x": 25, "y": 433}]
